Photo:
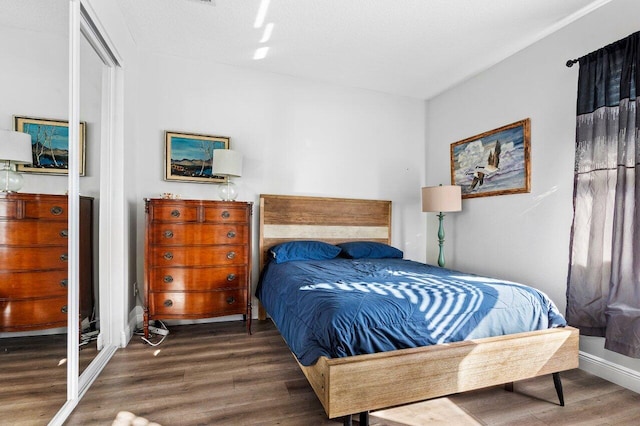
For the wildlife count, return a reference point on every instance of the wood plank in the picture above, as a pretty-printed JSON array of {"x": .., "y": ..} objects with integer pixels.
[
  {"x": 300, "y": 210},
  {"x": 368, "y": 382}
]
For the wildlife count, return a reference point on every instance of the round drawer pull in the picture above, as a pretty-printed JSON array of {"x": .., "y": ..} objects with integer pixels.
[
  {"x": 168, "y": 279},
  {"x": 226, "y": 215},
  {"x": 175, "y": 213},
  {"x": 231, "y": 300},
  {"x": 56, "y": 210},
  {"x": 168, "y": 234},
  {"x": 231, "y": 255},
  {"x": 64, "y": 309},
  {"x": 64, "y": 233},
  {"x": 168, "y": 303},
  {"x": 64, "y": 282},
  {"x": 231, "y": 234},
  {"x": 64, "y": 257},
  {"x": 231, "y": 277},
  {"x": 168, "y": 255}
]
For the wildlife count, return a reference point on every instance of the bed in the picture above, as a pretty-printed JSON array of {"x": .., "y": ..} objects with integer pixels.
[{"x": 350, "y": 382}]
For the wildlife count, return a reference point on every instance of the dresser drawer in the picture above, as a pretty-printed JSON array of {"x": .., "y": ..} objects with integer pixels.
[
  {"x": 9, "y": 209},
  {"x": 226, "y": 212},
  {"x": 29, "y": 232},
  {"x": 198, "y": 234},
  {"x": 198, "y": 256},
  {"x": 47, "y": 209},
  {"x": 194, "y": 279},
  {"x": 198, "y": 304},
  {"x": 18, "y": 285},
  {"x": 33, "y": 314},
  {"x": 163, "y": 212},
  {"x": 30, "y": 258}
]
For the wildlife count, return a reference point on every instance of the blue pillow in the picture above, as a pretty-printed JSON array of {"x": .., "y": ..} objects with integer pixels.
[
  {"x": 303, "y": 250},
  {"x": 369, "y": 249}
]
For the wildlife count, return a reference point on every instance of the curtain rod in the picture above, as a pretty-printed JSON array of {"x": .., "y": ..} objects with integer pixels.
[
  {"x": 570, "y": 62},
  {"x": 613, "y": 45}
]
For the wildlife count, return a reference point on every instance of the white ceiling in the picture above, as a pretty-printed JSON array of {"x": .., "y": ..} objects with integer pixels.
[{"x": 415, "y": 48}]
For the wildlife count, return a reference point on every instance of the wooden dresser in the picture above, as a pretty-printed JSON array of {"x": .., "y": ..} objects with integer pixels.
[
  {"x": 34, "y": 261},
  {"x": 197, "y": 259}
]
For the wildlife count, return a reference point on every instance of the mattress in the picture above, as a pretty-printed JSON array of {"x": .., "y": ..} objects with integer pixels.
[{"x": 345, "y": 307}]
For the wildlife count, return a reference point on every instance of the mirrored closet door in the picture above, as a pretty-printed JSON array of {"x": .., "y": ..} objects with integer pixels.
[
  {"x": 49, "y": 47},
  {"x": 95, "y": 98},
  {"x": 91, "y": 70}
]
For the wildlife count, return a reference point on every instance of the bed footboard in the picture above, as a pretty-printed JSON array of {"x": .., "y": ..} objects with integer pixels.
[{"x": 369, "y": 382}]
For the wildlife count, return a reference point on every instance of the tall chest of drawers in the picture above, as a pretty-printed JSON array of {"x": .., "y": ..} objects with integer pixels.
[
  {"x": 34, "y": 261},
  {"x": 197, "y": 259}
]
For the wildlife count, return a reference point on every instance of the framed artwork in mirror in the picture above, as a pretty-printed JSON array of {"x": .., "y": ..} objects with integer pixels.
[
  {"x": 189, "y": 157},
  {"x": 496, "y": 162},
  {"x": 49, "y": 145}
]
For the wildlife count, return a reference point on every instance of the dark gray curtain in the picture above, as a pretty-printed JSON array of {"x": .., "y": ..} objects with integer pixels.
[{"x": 603, "y": 288}]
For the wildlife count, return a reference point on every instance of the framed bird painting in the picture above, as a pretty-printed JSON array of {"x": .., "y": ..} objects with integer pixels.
[{"x": 496, "y": 162}]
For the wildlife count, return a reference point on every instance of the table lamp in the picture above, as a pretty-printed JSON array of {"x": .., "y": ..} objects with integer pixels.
[
  {"x": 441, "y": 199},
  {"x": 227, "y": 163},
  {"x": 15, "y": 148}
]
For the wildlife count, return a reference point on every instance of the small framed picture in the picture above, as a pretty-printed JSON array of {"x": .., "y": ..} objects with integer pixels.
[
  {"x": 189, "y": 156},
  {"x": 496, "y": 162},
  {"x": 50, "y": 145}
]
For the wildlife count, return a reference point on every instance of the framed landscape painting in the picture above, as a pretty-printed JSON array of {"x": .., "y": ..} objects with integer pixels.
[
  {"x": 493, "y": 163},
  {"x": 50, "y": 145},
  {"x": 188, "y": 157}
]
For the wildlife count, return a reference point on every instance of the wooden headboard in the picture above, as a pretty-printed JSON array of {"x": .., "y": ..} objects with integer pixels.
[{"x": 333, "y": 220}]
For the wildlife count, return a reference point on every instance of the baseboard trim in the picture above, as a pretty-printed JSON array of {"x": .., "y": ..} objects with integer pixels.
[
  {"x": 610, "y": 371},
  {"x": 135, "y": 318}
]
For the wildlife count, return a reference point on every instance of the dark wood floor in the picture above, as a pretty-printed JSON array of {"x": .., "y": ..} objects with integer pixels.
[
  {"x": 215, "y": 374},
  {"x": 33, "y": 377}
]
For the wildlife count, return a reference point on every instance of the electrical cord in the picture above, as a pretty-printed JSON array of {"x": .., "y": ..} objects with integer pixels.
[
  {"x": 90, "y": 331},
  {"x": 164, "y": 331},
  {"x": 88, "y": 337},
  {"x": 158, "y": 331}
]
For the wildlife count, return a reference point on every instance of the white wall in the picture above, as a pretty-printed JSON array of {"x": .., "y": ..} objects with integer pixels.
[
  {"x": 525, "y": 237},
  {"x": 297, "y": 137}
]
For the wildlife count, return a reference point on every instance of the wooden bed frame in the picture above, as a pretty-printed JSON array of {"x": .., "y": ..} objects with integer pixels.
[{"x": 359, "y": 384}]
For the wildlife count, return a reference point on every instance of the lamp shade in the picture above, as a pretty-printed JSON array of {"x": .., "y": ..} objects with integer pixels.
[
  {"x": 15, "y": 147},
  {"x": 227, "y": 162},
  {"x": 447, "y": 198}
]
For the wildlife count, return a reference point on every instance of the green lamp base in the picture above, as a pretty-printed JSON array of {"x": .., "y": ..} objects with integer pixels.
[{"x": 441, "y": 240}]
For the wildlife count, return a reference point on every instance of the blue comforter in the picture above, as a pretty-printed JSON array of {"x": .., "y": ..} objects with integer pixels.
[{"x": 342, "y": 307}]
